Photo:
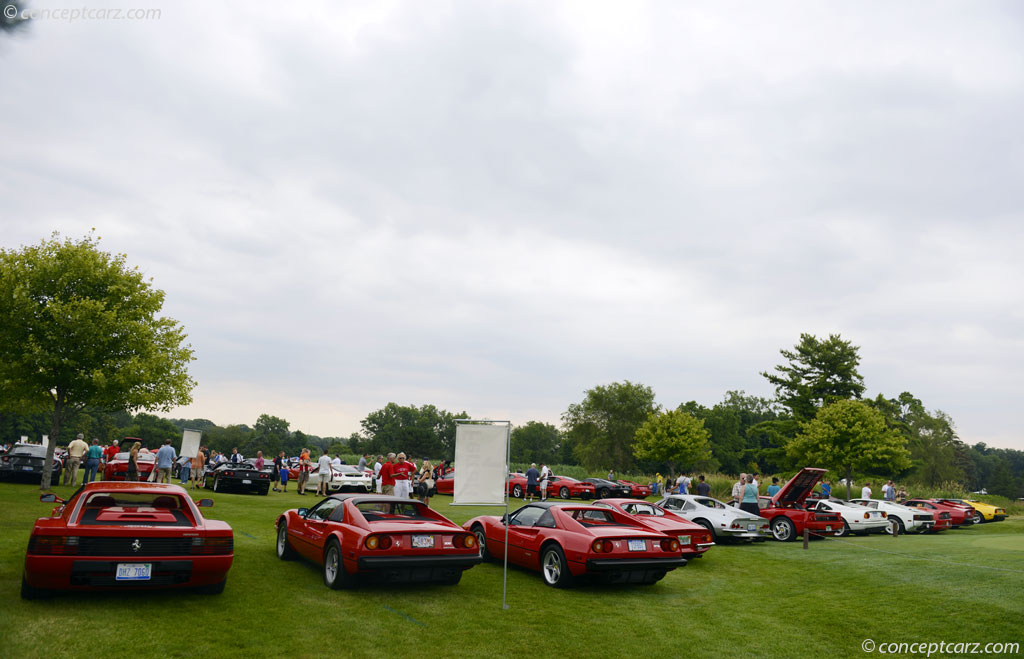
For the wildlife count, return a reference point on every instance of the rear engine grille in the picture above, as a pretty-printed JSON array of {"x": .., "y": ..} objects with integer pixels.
[{"x": 124, "y": 546}]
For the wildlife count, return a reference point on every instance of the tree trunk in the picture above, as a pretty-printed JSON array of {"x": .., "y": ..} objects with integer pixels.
[
  {"x": 58, "y": 413},
  {"x": 849, "y": 477}
]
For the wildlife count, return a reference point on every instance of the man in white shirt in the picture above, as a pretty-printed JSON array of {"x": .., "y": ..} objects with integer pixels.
[
  {"x": 865, "y": 492},
  {"x": 336, "y": 462},
  {"x": 324, "y": 473},
  {"x": 376, "y": 472},
  {"x": 545, "y": 477},
  {"x": 76, "y": 449}
]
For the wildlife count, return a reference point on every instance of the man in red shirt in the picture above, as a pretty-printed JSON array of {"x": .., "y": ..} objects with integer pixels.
[
  {"x": 403, "y": 472},
  {"x": 386, "y": 478},
  {"x": 111, "y": 451}
]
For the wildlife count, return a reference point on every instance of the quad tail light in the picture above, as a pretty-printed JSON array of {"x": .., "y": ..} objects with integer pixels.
[
  {"x": 213, "y": 546},
  {"x": 53, "y": 545}
]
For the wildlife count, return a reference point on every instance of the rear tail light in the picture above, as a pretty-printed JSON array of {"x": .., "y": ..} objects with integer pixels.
[
  {"x": 602, "y": 546},
  {"x": 378, "y": 542},
  {"x": 884, "y": 514},
  {"x": 53, "y": 545},
  {"x": 213, "y": 546},
  {"x": 467, "y": 541},
  {"x": 670, "y": 545},
  {"x": 229, "y": 473}
]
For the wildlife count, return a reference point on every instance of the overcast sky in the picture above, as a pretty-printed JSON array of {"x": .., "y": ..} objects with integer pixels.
[{"x": 492, "y": 207}]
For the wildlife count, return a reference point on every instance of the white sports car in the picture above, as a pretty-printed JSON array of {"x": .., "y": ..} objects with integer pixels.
[
  {"x": 723, "y": 521},
  {"x": 903, "y": 517},
  {"x": 856, "y": 519},
  {"x": 349, "y": 478}
]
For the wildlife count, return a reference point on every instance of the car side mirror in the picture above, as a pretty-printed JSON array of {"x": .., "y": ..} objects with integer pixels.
[
  {"x": 302, "y": 512},
  {"x": 205, "y": 503},
  {"x": 50, "y": 498}
]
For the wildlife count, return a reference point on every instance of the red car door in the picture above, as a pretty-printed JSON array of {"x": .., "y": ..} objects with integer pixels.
[
  {"x": 523, "y": 536},
  {"x": 314, "y": 530}
]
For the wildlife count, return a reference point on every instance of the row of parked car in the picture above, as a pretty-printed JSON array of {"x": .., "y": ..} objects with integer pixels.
[{"x": 129, "y": 535}]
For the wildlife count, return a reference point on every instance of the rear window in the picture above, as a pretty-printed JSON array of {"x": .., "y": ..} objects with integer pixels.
[
  {"x": 134, "y": 509},
  {"x": 378, "y": 511}
]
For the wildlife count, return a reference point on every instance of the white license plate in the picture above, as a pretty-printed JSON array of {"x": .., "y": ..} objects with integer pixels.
[
  {"x": 684, "y": 539},
  {"x": 134, "y": 571},
  {"x": 751, "y": 527},
  {"x": 246, "y": 481},
  {"x": 828, "y": 528},
  {"x": 423, "y": 541},
  {"x": 637, "y": 545}
]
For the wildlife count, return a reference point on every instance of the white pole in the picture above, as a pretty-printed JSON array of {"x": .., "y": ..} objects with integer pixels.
[{"x": 508, "y": 468}]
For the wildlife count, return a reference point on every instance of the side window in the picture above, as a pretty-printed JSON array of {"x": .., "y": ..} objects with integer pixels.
[
  {"x": 527, "y": 516},
  {"x": 672, "y": 504},
  {"x": 324, "y": 510},
  {"x": 546, "y": 520}
]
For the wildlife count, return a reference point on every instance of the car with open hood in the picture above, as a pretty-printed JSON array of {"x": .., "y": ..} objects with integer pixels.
[
  {"x": 356, "y": 537},
  {"x": 787, "y": 515},
  {"x": 566, "y": 542},
  {"x": 126, "y": 536},
  {"x": 724, "y": 522},
  {"x": 694, "y": 539}
]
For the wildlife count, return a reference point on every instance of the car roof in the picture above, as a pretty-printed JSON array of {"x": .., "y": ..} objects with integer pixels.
[
  {"x": 361, "y": 498},
  {"x": 128, "y": 486}
]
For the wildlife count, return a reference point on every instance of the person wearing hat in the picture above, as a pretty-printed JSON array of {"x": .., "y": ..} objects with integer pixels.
[{"x": 76, "y": 449}]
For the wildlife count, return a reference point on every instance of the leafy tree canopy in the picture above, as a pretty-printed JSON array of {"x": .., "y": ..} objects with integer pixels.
[
  {"x": 676, "y": 437},
  {"x": 79, "y": 327},
  {"x": 423, "y": 432},
  {"x": 816, "y": 374},
  {"x": 601, "y": 427},
  {"x": 535, "y": 442}
]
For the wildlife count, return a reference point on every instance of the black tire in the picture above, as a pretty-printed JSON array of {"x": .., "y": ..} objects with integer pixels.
[
  {"x": 603, "y": 493},
  {"x": 32, "y": 593},
  {"x": 709, "y": 526},
  {"x": 212, "y": 589},
  {"x": 265, "y": 490},
  {"x": 843, "y": 531},
  {"x": 895, "y": 522},
  {"x": 564, "y": 492},
  {"x": 284, "y": 548},
  {"x": 783, "y": 530},
  {"x": 335, "y": 576},
  {"x": 978, "y": 517},
  {"x": 481, "y": 541},
  {"x": 554, "y": 568},
  {"x": 517, "y": 491}
]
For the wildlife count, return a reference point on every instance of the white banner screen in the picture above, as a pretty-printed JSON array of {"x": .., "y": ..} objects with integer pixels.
[
  {"x": 480, "y": 468},
  {"x": 190, "y": 443}
]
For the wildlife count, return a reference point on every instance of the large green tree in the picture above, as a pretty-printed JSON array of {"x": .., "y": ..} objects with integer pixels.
[
  {"x": 850, "y": 436},
  {"x": 676, "y": 437},
  {"x": 80, "y": 327},
  {"x": 535, "y": 442},
  {"x": 423, "y": 432},
  {"x": 816, "y": 374},
  {"x": 601, "y": 427}
]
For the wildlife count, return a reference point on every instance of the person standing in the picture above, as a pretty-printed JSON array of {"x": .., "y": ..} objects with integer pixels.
[
  {"x": 133, "y": 462},
  {"x": 545, "y": 478},
  {"x": 305, "y": 465},
  {"x": 387, "y": 478},
  {"x": 278, "y": 465},
  {"x": 285, "y": 473},
  {"x": 259, "y": 463},
  {"x": 658, "y": 483},
  {"x": 165, "y": 458},
  {"x": 901, "y": 495},
  {"x": 185, "y": 471},
  {"x": 324, "y": 469},
  {"x": 377, "y": 466},
  {"x": 402, "y": 473},
  {"x": 236, "y": 457},
  {"x": 749, "y": 502},
  {"x": 337, "y": 461},
  {"x": 532, "y": 476},
  {"x": 92, "y": 461},
  {"x": 826, "y": 490},
  {"x": 611, "y": 475},
  {"x": 865, "y": 492},
  {"x": 111, "y": 451},
  {"x": 737, "y": 489},
  {"x": 703, "y": 489},
  {"x": 198, "y": 465},
  {"x": 361, "y": 466},
  {"x": 76, "y": 449},
  {"x": 889, "y": 492},
  {"x": 425, "y": 481},
  {"x": 684, "y": 487},
  {"x": 774, "y": 487}
]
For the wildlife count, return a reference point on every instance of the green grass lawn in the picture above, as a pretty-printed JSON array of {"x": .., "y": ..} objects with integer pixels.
[{"x": 768, "y": 599}]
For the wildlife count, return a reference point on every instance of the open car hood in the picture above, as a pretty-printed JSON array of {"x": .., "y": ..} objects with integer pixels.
[{"x": 798, "y": 487}]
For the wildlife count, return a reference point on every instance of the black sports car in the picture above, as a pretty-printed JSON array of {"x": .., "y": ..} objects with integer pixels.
[
  {"x": 240, "y": 477},
  {"x": 25, "y": 462},
  {"x": 607, "y": 489}
]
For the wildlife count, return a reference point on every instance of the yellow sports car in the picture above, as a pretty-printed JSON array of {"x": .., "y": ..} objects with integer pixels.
[{"x": 983, "y": 512}]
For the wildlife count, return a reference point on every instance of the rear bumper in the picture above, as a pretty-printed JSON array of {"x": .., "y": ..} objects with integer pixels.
[
  {"x": 610, "y": 564},
  {"x": 461, "y": 561},
  {"x": 84, "y": 573}
]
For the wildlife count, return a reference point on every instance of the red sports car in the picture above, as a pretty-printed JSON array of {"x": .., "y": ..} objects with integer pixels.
[
  {"x": 126, "y": 536},
  {"x": 446, "y": 484},
  {"x": 117, "y": 469},
  {"x": 374, "y": 536},
  {"x": 566, "y": 541},
  {"x": 959, "y": 515},
  {"x": 785, "y": 512},
  {"x": 694, "y": 539},
  {"x": 570, "y": 488},
  {"x": 638, "y": 490}
]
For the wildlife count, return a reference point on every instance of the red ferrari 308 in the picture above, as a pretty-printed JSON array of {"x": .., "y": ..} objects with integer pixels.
[
  {"x": 565, "y": 541},
  {"x": 693, "y": 538},
  {"x": 374, "y": 536},
  {"x": 126, "y": 536}
]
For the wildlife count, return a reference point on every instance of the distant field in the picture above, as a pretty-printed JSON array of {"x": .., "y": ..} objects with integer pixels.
[{"x": 764, "y": 600}]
